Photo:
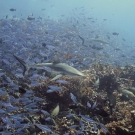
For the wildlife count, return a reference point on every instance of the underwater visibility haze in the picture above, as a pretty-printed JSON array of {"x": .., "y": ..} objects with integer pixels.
[{"x": 67, "y": 67}]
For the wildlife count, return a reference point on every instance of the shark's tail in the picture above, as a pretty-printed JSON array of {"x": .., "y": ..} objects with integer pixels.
[
  {"x": 26, "y": 67},
  {"x": 81, "y": 39}
]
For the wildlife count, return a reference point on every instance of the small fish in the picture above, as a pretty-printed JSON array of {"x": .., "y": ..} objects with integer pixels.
[
  {"x": 66, "y": 134},
  {"x": 103, "y": 128},
  {"x": 115, "y": 33},
  {"x": 19, "y": 125},
  {"x": 48, "y": 119},
  {"x": 35, "y": 84},
  {"x": 43, "y": 9},
  {"x": 6, "y": 133},
  {"x": 54, "y": 134},
  {"x": 112, "y": 98},
  {"x": 45, "y": 113},
  {"x": 3, "y": 93},
  {"x": 95, "y": 127},
  {"x": 96, "y": 84},
  {"x": 18, "y": 117},
  {"x": 31, "y": 105},
  {"x": 128, "y": 94},
  {"x": 82, "y": 125},
  {"x": 55, "y": 111},
  {"x": 87, "y": 118},
  {"x": 12, "y": 109},
  {"x": 30, "y": 18},
  {"x": 37, "y": 99},
  {"x": 56, "y": 77},
  {"x": 12, "y": 9},
  {"x": 43, "y": 127},
  {"x": 73, "y": 126},
  {"x": 73, "y": 98},
  {"x": 53, "y": 88},
  {"x": 70, "y": 115},
  {"x": 62, "y": 82},
  {"x": 50, "y": 91},
  {"x": 89, "y": 18},
  {"x": 79, "y": 132},
  {"x": 94, "y": 105},
  {"x": 2, "y": 111},
  {"x": 117, "y": 49},
  {"x": 88, "y": 104},
  {"x": 7, "y": 121},
  {"x": 6, "y": 104},
  {"x": 32, "y": 110},
  {"x": 1, "y": 74},
  {"x": 132, "y": 89}
]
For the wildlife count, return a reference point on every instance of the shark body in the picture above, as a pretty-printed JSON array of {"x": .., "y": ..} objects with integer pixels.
[
  {"x": 93, "y": 39},
  {"x": 62, "y": 68},
  {"x": 98, "y": 40}
]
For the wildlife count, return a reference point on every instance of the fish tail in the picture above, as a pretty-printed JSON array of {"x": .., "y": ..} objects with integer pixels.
[
  {"x": 23, "y": 63},
  {"x": 81, "y": 39}
]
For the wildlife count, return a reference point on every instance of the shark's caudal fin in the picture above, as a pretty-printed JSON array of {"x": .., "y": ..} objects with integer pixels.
[
  {"x": 81, "y": 39},
  {"x": 26, "y": 67}
]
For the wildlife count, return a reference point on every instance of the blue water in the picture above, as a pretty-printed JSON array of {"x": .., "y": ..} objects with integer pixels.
[
  {"x": 119, "y": 14},
  {"x": 108, "y": 16}
]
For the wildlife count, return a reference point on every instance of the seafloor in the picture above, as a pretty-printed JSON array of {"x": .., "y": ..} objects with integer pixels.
[
  {"x": 101, "y": 102},
  {"x": 116, "y": 111}
]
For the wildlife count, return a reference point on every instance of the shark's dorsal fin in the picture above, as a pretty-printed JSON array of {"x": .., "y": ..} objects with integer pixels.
[
  {"x": 56, "y": 60},
  {"x": 96, "y": 36}
]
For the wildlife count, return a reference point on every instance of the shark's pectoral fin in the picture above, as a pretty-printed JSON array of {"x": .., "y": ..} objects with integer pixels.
[{"x": 56, "y": 77}]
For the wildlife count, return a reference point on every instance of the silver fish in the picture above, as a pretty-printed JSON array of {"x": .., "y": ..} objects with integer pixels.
[
  {"x": 132, "y": 89},
  {"x": 55, "y": 111},
  {"x": 128, "y": 94},
  {"x": 96, "y": 84}
]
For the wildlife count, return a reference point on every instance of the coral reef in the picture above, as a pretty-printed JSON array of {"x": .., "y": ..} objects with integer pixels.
[{"x": 109, "y": 110}]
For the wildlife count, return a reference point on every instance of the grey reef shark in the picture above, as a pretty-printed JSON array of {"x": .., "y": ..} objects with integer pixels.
[{"x": 61, "y": 68}]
